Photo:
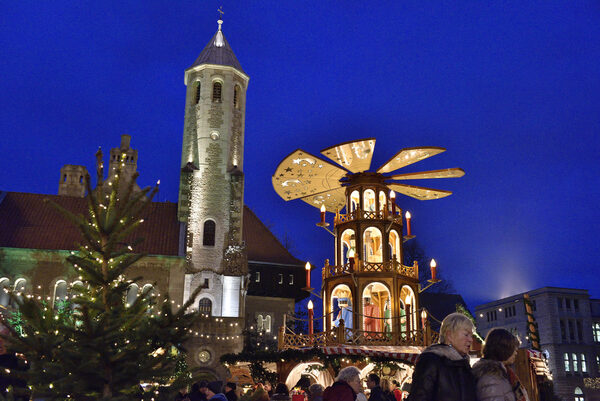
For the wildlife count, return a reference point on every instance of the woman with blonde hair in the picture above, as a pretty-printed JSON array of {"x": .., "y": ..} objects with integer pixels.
[{"x": 443, "y": 372}]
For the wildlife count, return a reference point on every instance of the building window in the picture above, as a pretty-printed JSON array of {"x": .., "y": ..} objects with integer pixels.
[
  {"x": 583, "y": 363},
  {"x": 492, "y": 316},
  {"x": 205, "y": 306},
  {"x": 4, "y": 288},
  {"x": 60, "y": 293},
  {"x": 576, "y": 304},
  {"x": 568, "y": 303},
  {"x": 510, "y": 311},
  {"x": 280, "y": 275},
  {"x": 571, "y": 331},
  {"x": 132, "y": 294},
  {"x": 579, "y": 331},
  {"x": 575, "y": 365},
  {"x": 533, "y": 306},
  {"x": 208, "y": 237},
  {"x": 563, "y": 331},
  {"x": 291, "y": 279},
  {"x": 579, "y": 394},
  {"x": 267, "y": 324},
  {"x": 598, "y": 361},
  {"x": 236, "y": 97},
  {"x": 566, "y": 361},
  {"x": 216, "y": 95},
  {"x": 197, "y": 94},
  {"x": 596, "y": 332},
  {"x": 559, "y": 302},
  {"x": 257, "y": 277}
]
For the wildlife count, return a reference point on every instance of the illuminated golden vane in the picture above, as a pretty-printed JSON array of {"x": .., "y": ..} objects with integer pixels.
[{"x": 317, "y": 182}]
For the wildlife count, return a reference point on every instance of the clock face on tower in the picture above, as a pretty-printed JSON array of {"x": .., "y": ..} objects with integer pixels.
[{"x": 204, "y": 356}]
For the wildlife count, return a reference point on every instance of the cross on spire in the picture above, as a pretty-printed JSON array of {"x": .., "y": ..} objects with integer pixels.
[{"x": 221, "y": 12}]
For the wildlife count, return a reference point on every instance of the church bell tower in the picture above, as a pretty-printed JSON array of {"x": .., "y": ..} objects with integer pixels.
[{"x": 211, "y": 189}]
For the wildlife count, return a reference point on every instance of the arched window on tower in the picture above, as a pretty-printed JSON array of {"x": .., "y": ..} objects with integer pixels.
[
  {"x": 354, "y": 200},
  {"x": 236, "y": 96},
  {"x": 382, "y": 201},
  {"x": 197, "y": 94},
  {"x": 217, "y": 89},
  {"x": 394, "y": 245},
  {"x": 205, "y": 306},
  {"x": 208, "y": 235}
]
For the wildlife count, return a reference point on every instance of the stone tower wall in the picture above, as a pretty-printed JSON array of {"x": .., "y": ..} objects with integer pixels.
[{"x": 72, "y": 181}]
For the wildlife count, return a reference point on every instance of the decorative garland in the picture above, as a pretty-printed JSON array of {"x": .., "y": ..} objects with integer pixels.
[
  {"x": 461, "y": 309},
  {"x": 329, "y": 361},
  {"x": 532, "y": 334}
]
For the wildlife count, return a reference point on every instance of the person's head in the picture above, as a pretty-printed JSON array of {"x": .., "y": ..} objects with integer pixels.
[
  {"x": 457, "y": 331},
  {"x": 350, "y": 375},
  {"x": 230, "y": 386},
  {"x": 213, "y": 388},
  {"x": 281, "y": 388},
  {"x": 268, "y": 386},
  {"x": 203, "y": 386},
  {"x": 501, "y": 345},
  {"x": 386, "y": 385},
  {"x": 315, "y": 390},
  {"x": 372, "y": 380}
]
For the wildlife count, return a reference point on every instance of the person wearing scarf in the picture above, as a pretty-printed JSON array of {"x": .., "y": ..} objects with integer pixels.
[{"x": 496, "y": 380}]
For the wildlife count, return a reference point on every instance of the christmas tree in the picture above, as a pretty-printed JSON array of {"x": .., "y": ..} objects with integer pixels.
[{"x": 97, "y": 346}]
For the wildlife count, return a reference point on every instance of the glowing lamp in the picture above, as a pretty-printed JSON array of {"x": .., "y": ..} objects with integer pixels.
[
  {"x": 408, "y": 217},
  {"x": 307, "y": 267},
  {"x": 433, "y": 266},
  {"x": 424, "y": 315},
  {"x": 393, "y": 200},
  {"x": 310, "y": 305},
  {"x": 323, "y": 210}
]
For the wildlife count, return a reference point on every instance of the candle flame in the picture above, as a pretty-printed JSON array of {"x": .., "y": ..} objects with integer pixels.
[
  {"x": 407, "y": 215},
  {"x": 310, "y": 305},
  {"x": 433, "y": 263},
  {"x": 423, "y": 314},
  {"x": 323, "y": 210},
  {"x": 307, "y": 266}
]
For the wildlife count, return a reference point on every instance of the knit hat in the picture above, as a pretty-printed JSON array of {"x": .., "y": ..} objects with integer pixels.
[
  {"x": 215, "y": 386},
  {"x": 231, "y": 385}
]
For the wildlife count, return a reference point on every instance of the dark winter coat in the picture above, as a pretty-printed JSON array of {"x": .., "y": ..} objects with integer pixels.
[
  {"x": 492, "y": 381},
  {"x": 339, "y": 391},
  {"x": 231, "y": 395},
  {"x": 442, "y": 374},
  {"x": 377, "y": 394}
]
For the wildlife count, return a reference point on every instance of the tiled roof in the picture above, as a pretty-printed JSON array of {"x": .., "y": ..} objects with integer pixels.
[
  {"x": 26, "y": 221},
  {"x": 219, "y": 55},
  {"x": 261, "y": 244}
]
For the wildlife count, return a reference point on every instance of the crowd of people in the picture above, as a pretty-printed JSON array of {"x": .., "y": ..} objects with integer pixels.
[{"x": 442, "y": 373}]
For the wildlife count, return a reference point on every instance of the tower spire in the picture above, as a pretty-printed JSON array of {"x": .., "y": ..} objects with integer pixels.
[{"x": 219, "y": 40}]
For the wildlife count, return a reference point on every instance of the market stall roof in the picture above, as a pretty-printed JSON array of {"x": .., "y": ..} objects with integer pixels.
[{"x": 407, "y": 354}]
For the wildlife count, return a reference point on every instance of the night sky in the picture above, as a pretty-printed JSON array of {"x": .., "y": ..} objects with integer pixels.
[{"x": 511, "y": 89}]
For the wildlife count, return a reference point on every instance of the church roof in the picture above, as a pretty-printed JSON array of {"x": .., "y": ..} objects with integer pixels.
[
  {"x": 29, "y": 222},
  {"x": 218, "y": 51},
  {"x": 261, "y": 244},
  {"x": 26, "y": 221}
]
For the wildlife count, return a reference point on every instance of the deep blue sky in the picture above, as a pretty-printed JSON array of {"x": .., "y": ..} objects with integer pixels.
[{"x": 511, "y": 89}]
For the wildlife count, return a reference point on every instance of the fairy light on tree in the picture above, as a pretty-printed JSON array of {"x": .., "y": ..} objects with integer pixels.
[{"x": 93, "y": 344}]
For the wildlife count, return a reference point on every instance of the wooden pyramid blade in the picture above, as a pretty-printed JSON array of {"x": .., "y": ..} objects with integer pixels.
[
  {"x": 301, "y": 174},
  {"x": 420, "y": 193},
  {"x": 354, "y": 155},
  {"x": 334, "y": 199},
  {"x": 409, "y": 156},
  {"x": 444, "y": 173}
]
